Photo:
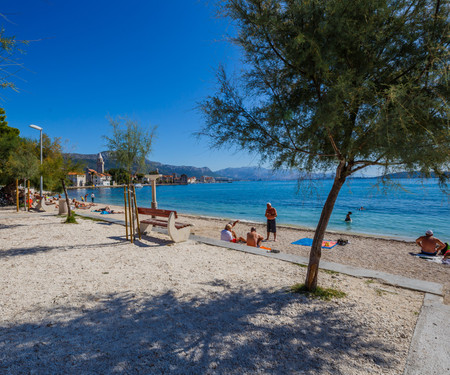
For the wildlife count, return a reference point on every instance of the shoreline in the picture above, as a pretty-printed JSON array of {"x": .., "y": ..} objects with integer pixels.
[
  {"x": 301, "y": 227},
  {"x": 370, "y": 252}
]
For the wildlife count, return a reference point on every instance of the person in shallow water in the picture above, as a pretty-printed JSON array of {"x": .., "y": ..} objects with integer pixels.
[
  {"x": 429, "y": 244},
  {"x": 348, "y": 218}
]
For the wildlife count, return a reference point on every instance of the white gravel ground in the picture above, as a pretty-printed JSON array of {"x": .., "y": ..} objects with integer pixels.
[{"x": 78, "y": 299}]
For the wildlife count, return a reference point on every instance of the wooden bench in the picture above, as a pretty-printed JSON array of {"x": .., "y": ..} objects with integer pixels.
[{"x": 178, "y": 232}]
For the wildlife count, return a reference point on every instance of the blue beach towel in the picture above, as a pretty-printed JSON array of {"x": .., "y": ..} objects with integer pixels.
[{"x": 309, "y": 241}]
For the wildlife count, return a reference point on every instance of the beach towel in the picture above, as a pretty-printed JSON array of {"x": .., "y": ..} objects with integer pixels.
[
  {"x": 309, "y": 241},
  {"x": 265, "y": 248},
  {"x": 429, "y": 258}
]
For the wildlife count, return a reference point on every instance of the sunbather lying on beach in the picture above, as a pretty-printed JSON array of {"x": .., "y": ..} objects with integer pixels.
[
  {"x": 107, "y": 210},
  {"x": 429, "y": 244},
  {"x": 229, "y": 235},
  {"x": 82, "y": 205}
]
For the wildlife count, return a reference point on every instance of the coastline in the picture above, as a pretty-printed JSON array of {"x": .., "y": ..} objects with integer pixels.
[
  {"x": 376, "y": 253},
  {"x": 397, "y": 216}
]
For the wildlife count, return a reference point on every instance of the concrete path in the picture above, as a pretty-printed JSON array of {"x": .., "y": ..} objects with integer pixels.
[{"x": 429, "y": 352}]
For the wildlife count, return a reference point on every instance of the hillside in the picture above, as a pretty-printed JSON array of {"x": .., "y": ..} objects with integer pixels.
[
  {"x": 243, "y": 173},
  {"x": 90, "y": 161}
]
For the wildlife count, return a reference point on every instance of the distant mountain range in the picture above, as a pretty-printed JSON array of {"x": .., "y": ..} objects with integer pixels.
[{"x": 244, "y": 173}]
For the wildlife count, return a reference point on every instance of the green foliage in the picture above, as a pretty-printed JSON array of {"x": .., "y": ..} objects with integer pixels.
[
  {"x": 334, "y": 82},
  {"x": 9, "y": 141},
  {"x": 343, "y": 85},
  {"x": 71, "y": 219},
  {"x": 8, "y": 46},
  {"x": 23, "y": 162},
  {"x": 129, "y": 143},
  {"x": 326, "y": 294},
  {"x": 119, "y": 175}
]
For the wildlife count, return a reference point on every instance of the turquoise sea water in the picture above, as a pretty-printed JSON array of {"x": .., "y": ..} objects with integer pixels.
[{"x": 404, "y": 214}]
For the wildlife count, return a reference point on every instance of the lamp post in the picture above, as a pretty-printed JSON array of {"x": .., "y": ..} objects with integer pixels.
[{"x": 40, "y": 129}]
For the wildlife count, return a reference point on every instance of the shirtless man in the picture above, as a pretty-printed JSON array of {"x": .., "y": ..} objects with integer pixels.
[
  {"x": 429, "y": 244},
  {"x": 271, "y": 214},
  {"x": 253, "y": 238}
]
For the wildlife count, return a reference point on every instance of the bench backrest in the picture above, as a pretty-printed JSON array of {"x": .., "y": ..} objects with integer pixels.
[{"x": 156, "y": 212}]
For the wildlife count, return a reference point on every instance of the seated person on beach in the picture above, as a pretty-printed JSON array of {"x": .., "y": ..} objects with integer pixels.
[
  {"x": 429, "y": 244},
  {"x": 229, "y": 235},
  {"x": 253, "y": 238}
]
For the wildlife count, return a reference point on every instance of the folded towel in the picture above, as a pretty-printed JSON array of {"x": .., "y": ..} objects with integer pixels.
[{"x": 309, "y": 241}]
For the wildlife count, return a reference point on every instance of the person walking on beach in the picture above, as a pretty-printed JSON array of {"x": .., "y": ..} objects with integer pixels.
[
  {"x": 429, "y": 244},
  {"x": 271, "y": 214},
  {"x": 253, "y": 238},
  {"x": 229, "y": 235},
  {"x": 92, "y": 197}
]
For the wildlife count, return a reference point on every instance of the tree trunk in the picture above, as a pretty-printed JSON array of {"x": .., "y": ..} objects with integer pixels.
[
  {"x": 316, "y": 248},
  {"x": 67, "y": 198}
]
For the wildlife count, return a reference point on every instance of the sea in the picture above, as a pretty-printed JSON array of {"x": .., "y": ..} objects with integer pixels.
[{"x": 403, "y": 210}]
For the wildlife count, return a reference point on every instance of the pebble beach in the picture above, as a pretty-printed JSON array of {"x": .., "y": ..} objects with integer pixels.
[{"x": 79, "y": 298}]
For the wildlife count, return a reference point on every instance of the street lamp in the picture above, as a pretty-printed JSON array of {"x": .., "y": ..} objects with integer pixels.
[{"x": 40, "y": 129}]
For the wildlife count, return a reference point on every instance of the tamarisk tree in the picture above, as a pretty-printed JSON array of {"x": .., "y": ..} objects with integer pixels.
[
  {"x": 337, "y": 85},
  {"x": 129, "y": 143}
]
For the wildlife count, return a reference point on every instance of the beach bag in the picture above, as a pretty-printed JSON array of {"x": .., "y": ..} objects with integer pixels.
[{"x": 342, "y": 242}]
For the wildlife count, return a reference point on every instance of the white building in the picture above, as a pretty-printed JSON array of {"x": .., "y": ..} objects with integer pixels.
[{"x": 77, "y": 179}]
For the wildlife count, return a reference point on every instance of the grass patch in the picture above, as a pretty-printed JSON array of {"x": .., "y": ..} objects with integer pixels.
[
  {"x": 301, "y": 265},
  {"x": 326, "y": 294},
  {"x": 380, "y": 292},
  {"x": 71, "y": 219},
  {"x": 329, "y": 272},
  {"x": 370, "y": 281}
]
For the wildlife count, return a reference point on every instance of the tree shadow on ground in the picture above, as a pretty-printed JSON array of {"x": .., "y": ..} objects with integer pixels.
[
  {"x": 149, "y": 241},
  {"x": 35, "y": 250},
  {"x": 10, "y": 226},
  {"x": 227, "y": 333}
]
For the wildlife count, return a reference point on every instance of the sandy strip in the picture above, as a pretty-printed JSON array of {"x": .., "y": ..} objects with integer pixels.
[
  {"x": 79, "y": 299},
  {"x": 381, "y": 254}
]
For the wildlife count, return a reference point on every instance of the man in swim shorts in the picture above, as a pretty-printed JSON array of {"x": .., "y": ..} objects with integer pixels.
[
  {"x": 271, "y": 214},
  {"x": 253, "y": 238},
  {"x": 429, "y": 244},
  {"x": 229, "y": 235}
]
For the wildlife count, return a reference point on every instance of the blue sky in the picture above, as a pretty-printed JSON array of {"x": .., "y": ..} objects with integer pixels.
[{"x": 151, "y": 60}]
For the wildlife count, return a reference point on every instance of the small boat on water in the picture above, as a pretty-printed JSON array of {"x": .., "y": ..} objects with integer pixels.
[{"x": 138, "y": 185}]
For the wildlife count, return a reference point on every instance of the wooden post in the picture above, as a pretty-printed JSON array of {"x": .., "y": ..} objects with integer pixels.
[
  {"x": 125, "y": 201},
  {"x": 132, "y": 212},
  {"x": 17, "y": 194},
  {"x": 137, "y": 214},
  {"x": 129, "y": 214},
  {"x": 27, "y": 205},
  {"x": 24, "y": 193}
]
